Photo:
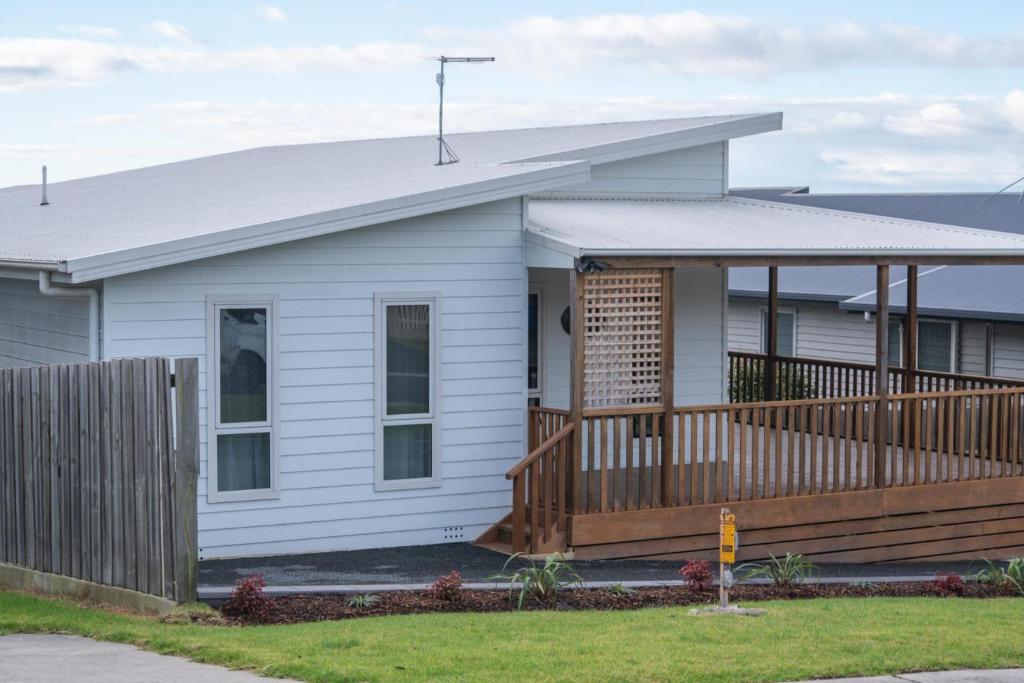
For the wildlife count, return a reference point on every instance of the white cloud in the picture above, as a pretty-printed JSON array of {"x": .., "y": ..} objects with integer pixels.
[
  {"x": 903, "y": 166},
  {"x": 46, "y": 62},
  {"x": 272, "y": 13},
  {"x": 695, "y": 43},
  {"x": 175, "y": 32},
  {"x": 89, "y": 31}
]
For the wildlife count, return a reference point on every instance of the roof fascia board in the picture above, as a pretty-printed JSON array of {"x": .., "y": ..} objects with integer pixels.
[
  {"x": 268, "y": 234},
  {"x": 553, "y": 243},
  {"x": 788, "y": 296},
  {"x": 667, "y": 142},
  {"x": 965, "y": 314},
  {"x": 755, "y": 257}
]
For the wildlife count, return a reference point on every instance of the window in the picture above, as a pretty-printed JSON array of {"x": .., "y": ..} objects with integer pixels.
[
  {"x": 895, "y": 343},
  {"x": 535, "y": 347},
  {"x": 242, "y": 448},
  {"x": 406, "y": 453},
  {"x": 935, "y": 345},
  {"x": 785, "y": 332}
]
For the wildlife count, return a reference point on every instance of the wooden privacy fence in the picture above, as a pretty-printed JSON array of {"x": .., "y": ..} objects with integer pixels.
[
  {"x": 754, "y": 451},
  {"x": 98, "y": 468},
  {"x": 805, "y": 378}
]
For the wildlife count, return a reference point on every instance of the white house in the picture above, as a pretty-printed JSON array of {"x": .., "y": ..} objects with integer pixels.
[{"x": 370, "y": 326}]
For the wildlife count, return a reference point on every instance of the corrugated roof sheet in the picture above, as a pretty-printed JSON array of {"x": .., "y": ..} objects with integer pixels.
[
  {"x": 979, "y": 292},
  {"x": 733, "y": 226},
  {"x": 158, "y": 206}
]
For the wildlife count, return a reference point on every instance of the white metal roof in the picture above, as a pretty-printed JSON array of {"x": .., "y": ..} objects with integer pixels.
[
  {"x": 738, "y": 227},
  {"x": 133, "y": 220}
]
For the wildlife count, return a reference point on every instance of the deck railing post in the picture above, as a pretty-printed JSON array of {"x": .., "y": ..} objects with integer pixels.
[
  {"x": 577, "y": 282},
  {"x": 772, "y": 334},
  {"x": 668, "y": 381},
  {"x": 910, "y": 334},
  {"x": 881, "y": 372}
]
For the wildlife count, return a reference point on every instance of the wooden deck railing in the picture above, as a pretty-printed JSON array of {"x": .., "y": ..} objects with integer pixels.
[
  {"x": 541, "y": 484},
  {"x": 544, "y": 422},
  {"x": 805, "y": 378},
  {"x": 750, "y": 451}
]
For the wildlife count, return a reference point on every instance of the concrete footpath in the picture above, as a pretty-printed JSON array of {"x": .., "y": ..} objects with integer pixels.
[
  {"x": 32, "y": 658},
  {"x": 962, "y": 676}
]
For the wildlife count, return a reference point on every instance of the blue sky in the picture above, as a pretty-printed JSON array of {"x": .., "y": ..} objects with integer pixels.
[{"x": 890, "y": 96}]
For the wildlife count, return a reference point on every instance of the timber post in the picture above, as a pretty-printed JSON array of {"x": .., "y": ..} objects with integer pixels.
[
  {"x": 772, "y": 332},
  {"x": 910, "y": 334},
  {"x": 667, "y": 380},
  {"x": 881, "y": 372},
  {"x": 577, "y": 335}
]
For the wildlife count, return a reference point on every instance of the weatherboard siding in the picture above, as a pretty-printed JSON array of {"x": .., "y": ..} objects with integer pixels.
[
  {"x": 693, "y": 172},
  {"x": 37, "y": 329},
  {"x": 1008, "y": 351},
  {"x": 325, "y": 288},
  {"x": 699, "y": 349}
]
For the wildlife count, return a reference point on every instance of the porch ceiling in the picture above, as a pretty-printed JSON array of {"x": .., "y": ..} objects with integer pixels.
[{"x": 740, "y": 231}]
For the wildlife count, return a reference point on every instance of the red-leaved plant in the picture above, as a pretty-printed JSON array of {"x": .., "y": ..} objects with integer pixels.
[
  {"x": 447, "y": 588},
  {"x": 248, "y": 599},
  {"x": 697, "y": 574},
  {"x": 949, "y": 584}
]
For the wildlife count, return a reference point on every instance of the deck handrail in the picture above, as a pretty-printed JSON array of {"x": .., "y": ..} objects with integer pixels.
[
  {"x": 541, "y": 486},
  {"x": 539, "y": 450}
]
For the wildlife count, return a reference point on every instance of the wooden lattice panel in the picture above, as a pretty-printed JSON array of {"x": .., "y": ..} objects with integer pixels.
[{"x": 622, "y": 338}]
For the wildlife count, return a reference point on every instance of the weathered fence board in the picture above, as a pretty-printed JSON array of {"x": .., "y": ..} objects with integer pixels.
[{"x": 98, "y": 470}]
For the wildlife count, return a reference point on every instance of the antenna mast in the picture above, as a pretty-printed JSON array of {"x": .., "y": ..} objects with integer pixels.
[{"x": 445, "y": 154}]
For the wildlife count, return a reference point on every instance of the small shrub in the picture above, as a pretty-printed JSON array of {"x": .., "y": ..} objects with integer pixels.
[
  {"x": 992, "y": 575},
  {"x": 541, "y": 583},
  {"x": 1015, "y": 574},
  {"x": 363, "y": 601},
  {"x": 746, "y": 383},
  {"x": 949, "y": 584},
  {"x": 783, "y": 573},
  {"x": 697, "y": 574},
  {"x": 447, "y": 588},
  {"x": 620, "y": 589},
  {"x": 866, "y": 585},
  {"x": 248, "y": 599}
]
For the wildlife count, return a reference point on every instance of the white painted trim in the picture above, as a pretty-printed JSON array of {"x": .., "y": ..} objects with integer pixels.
[
  {"x": 538, "y": 392},
  {"x": 214, "y": 303},
  {"x": 760, "y": 327},
  {"x": 432, "y": 299},
  {"x": 667, "y": 142}
]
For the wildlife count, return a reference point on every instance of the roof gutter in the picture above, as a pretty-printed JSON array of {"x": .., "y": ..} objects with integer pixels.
[{"x": 47, "y": 288}]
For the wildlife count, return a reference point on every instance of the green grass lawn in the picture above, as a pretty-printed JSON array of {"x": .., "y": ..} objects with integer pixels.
[{"x": 797, "y": 639}]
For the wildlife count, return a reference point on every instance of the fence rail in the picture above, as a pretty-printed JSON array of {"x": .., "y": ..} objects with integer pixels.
[
  {"x": 98, "y": 469},
  {"x": 806, "y": 378}
]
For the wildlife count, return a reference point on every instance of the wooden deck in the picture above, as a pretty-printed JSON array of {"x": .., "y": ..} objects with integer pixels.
[{"x": 644, "y": 481}]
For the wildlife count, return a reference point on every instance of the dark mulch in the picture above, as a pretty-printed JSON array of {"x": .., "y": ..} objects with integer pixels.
[{"x": 300, "y": 608}]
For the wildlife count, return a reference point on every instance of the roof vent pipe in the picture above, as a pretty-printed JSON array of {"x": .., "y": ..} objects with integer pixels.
[{"x": 45, "y": 200}]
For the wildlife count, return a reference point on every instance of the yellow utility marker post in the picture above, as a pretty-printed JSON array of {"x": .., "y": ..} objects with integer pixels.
[
  {"x": 726, "y": 555},
  {"x": 727, "y": 544}
]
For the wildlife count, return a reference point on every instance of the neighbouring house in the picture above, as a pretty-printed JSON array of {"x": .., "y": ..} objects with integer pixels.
[
  {"x": 971, "y": 318},
  {"x": 373, "y": 328}
]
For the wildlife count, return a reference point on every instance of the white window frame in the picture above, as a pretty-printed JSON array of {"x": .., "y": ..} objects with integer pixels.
[
  {"x": 763, "y": 315},
  {"x": 900, "y": 324},
  {"x": 538, "y": 392},
  {"x": 381, "y": 300},
  {"x": 214, "y": 304},
  {"x": 954, "y": 343}
]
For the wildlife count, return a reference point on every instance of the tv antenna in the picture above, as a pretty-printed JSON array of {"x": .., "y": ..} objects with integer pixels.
[
  {"x": 999, "y": 192},
  {"x": 445, "y": 154}
]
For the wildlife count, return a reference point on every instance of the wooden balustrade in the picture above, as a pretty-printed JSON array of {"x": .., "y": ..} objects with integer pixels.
[
  {"x": 543, "y": 422},
  {"x": 541, "y": 486},
  {"x": 806, "y": 378},
  {"x": 758, "y": 450}
]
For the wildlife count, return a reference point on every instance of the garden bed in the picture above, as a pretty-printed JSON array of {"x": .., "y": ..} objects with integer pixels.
[{"x": 305, "y": 608}]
